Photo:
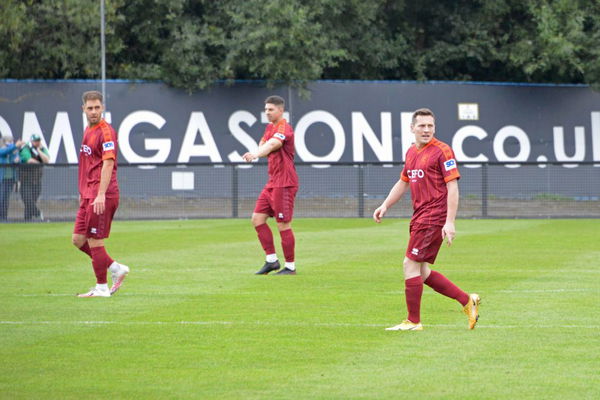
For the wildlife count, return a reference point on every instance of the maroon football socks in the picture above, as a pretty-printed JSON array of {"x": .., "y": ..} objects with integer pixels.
[
  {"x": 443, "y": 285},
  {"x": 265, "y": 236},
  {"x": 413, "y": 290},
  {"x": 100, "y": 261},
  {"x": 288, "y": 242}
]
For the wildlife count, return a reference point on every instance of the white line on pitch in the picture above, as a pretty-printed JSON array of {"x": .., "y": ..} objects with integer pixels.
[
  {"x": 525, "y": 291},
  {"x": 395, "y": 292},
  {"x": 549, "y": 290},
  {"x": 291, "y": 323}
]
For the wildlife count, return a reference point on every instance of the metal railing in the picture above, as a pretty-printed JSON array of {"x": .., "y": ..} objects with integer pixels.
[{"x": 229, "y": 190}]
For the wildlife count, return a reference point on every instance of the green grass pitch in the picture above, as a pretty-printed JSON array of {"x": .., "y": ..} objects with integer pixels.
[{"x": 193, "y": 322}]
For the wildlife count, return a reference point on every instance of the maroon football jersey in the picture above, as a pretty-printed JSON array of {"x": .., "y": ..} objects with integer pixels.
[
  {"x": 282, "y": 171},
  {"x": 99, "y": 144},
  {"x": 428, "y": 170}
]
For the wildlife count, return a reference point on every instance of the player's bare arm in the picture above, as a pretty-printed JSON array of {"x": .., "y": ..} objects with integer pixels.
[
  {"x": 393, "y": 197},
  {"x": 105, "y": 175},
  {"x": 264, "y": 149},
  {"x": 449, "y": 231}
]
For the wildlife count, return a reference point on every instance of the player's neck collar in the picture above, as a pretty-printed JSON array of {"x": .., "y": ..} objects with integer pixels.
[
  {"x": 432, "y": 141},
  {"x": 102, "y": 121}
]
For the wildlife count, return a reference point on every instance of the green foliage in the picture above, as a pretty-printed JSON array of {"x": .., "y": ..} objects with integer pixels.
[{"x": 192, "y": 43}]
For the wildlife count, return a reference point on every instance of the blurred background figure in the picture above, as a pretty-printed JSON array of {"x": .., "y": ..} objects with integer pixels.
[
  {"x": 9, "y": 154},
  {"x": 34, "y": 155}
]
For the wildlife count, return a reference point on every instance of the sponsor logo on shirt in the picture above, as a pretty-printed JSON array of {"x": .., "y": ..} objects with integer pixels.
[
  {"x": 450, "y": 164},
  {"x": 85, "y": 149},
  {"x": 279, "y": 136},
  {"x": 415, "y": 251},
  {"x": 107, "y": 146},
  {"x": 415, "y": 173}
]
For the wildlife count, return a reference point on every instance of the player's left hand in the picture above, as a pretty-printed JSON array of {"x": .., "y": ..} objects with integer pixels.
[
  {"x": 99, "y": 204},
  {"x": 448, "y": 232}
]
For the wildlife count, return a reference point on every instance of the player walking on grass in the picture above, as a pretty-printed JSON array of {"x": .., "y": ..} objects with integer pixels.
[
  {"x": 432, "y": 175},
  {"x": 277, "y": 197},
  {"x": 98, "y": 196}
]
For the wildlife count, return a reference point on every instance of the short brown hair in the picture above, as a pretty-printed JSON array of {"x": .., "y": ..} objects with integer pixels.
[
  {"x": 278, "y": 101},
  {"x": 92, "y": 95},
  {"x": 422, "y": 111}
]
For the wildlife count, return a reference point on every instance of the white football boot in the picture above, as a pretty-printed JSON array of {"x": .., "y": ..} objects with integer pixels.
[
  {"x": 118, "y": 272},
  {"x": 96, "y": 292}
]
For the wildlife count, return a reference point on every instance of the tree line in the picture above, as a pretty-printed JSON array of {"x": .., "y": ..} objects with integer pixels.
[{"x": 193, "y": 43}]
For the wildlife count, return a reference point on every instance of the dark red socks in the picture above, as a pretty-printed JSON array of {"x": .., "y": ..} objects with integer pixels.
[
  {"x": 265, "y": 236},
  {"x": 413, "y": 290},
  {"x": 443, "y": 285},
  {"x": 288, "y": 242},
  {"x": 86, "y": 249},
  {"x": 100, "y": 261}
]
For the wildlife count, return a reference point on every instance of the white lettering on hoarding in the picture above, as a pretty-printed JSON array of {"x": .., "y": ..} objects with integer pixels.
[
  {"x": 457, "y": 144},
  {"x": 162, "y": 146},
  {"x": 362, "y": 130},
  {"x": 31, "y": 126},
  {"x": 339, "y": 137},
  {"x": 62, "y": 133},
  {"x": 524, "y": 145},
  {"x": 559, "y": 145},
  {"x": 209, "y": 149},
  {"x": 5, "y": 130},
  {"x": 596, "y": 136},
  {"x": 408, "y": 138},
  {"x": 235, "y": 120}
]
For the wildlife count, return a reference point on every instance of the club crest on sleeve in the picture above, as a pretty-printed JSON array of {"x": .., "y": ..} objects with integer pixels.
[
  {"x": 279, "y": 136},
  {"x": 111, "y": 146},
  {"x": 450, "y": 164}
]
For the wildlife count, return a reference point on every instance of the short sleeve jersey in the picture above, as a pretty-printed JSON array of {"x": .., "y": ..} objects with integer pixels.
[
  {"x": 282, "y": 171},
  {"x": 427, "y": 171},
  {"x": 99, "y": 144}
]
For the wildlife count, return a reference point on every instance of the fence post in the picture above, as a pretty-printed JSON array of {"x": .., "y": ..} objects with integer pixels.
[
  {"x": 234, "y": 191},
  {"x": 361, "y": 191},
  {"x": 484, "y": 190}
]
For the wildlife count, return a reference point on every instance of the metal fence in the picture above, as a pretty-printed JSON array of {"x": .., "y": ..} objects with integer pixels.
[{"x": 181, "y": 191}]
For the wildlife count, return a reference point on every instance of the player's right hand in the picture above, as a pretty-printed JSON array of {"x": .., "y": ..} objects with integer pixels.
[
  {"x": 249, "y": 157},
  {"x": 379, "y": 213}
]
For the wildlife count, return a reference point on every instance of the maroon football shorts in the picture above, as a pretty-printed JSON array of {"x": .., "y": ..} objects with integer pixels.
[
  {"x": 425, "y": 242},
  {"x": 92, "y": 225},
  {"x": 277, "y": 202}
]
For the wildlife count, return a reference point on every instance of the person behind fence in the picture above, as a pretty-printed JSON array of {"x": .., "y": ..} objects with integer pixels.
[
  {"x": 431, "y": 174},
  {"x": 9, "y": 154},
  {"x": 34, "y": 155},
  {"x": 98, "y": 196},
  {"x": 277, "y": 197}
]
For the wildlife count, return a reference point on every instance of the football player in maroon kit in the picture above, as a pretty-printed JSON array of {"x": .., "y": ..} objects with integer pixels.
[
  {"x": 277, "y": 197},
  {"x": 98, "y": 196},
  {"x": 432, "y": 175}
]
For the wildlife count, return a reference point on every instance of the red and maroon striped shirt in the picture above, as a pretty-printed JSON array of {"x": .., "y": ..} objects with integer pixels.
[
  {"x": 282, "y": 171},
  {"x": 428, "y": 170},
  {"x": 99, "y": 144}
]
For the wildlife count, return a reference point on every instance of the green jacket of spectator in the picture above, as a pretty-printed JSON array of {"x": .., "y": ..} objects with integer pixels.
[{"x": 28, "y": 152}]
